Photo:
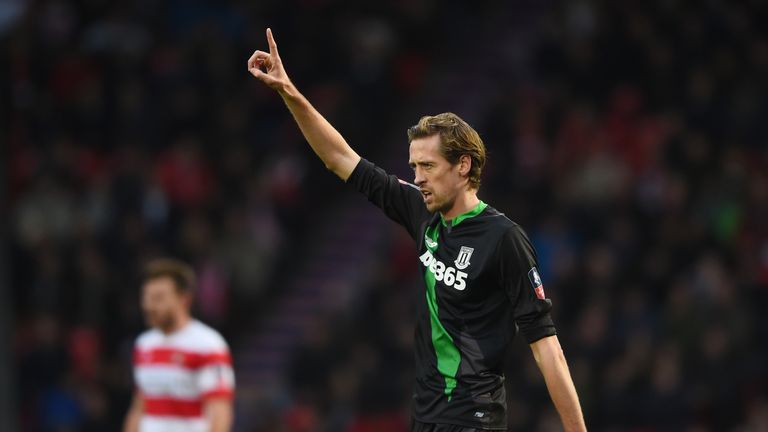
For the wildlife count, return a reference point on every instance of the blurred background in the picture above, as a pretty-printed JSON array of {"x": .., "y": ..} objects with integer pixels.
[{"x": 628, "y": 138}]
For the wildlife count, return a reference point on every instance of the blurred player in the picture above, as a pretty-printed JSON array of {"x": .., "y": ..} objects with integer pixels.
[
  {"x": 480, "y": 272},
  {"x": 182, "y": 367}
]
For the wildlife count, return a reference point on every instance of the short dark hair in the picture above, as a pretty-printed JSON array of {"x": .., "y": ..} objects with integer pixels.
[{"x": 181, "y": 273}]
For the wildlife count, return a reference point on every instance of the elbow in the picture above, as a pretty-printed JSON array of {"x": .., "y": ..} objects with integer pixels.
[
  {"x": 548, "y": 350},
  {"x": 557, "y": 355},
  {"x": 342, "y": 165},
  {"x": 333, "y": 163},
  {"x": 550, "y": 358}
]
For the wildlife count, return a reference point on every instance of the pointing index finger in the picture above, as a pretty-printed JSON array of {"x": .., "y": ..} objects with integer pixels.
[{"x": 271, "y": 41}]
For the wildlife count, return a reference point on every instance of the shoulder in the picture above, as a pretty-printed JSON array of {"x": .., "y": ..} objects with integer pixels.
[
  {"x": 510, "y": 238},
  {"x": 367, "y": 170},
  {"x": 148, "y": 338},
  {"x": 499, "y": 226},
  {"x": 363, "y": 168},
  {"x": 202, "y": 337}
]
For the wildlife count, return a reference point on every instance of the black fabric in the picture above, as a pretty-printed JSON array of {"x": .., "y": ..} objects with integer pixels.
[
  {"x": 496, "y": 295},
  {"x": 432, "y": 427}
]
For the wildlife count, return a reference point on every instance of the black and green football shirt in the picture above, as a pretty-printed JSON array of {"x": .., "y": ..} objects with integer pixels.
[{"x": 481, "y": 285}]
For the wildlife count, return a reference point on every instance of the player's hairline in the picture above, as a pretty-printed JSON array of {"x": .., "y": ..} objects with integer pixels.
[{"x": 179, "y": 272}]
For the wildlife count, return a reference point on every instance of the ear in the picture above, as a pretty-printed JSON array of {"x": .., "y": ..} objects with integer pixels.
[{"x": 465, "y": 164}]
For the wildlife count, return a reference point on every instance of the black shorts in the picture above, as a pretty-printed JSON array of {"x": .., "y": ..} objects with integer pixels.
[{"x": 435, "y": 427}]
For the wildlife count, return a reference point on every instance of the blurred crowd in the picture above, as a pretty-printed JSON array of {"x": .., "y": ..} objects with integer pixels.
[{"x": 627, "y": 138}]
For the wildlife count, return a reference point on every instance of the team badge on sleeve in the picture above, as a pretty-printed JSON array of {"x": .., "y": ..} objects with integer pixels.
[{"x": 538, "y": 286}]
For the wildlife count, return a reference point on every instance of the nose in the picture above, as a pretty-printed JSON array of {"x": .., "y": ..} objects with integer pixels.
[{"x": 418, "y": 177}]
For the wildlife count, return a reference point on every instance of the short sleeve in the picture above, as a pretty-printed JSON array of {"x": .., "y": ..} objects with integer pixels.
[
  {"x": 215, "y": 377},
  {"x": 521, "y": 280},
  {"x": 401, "y": 201}
]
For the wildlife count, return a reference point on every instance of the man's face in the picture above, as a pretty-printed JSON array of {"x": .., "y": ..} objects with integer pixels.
[
  {"x": 162, "y": 303},
  {"x": 439, "y": 181}
]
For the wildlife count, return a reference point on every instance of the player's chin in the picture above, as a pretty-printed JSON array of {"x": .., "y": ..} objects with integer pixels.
[
  {"x": 434, "y": 206},
  {"x": 152, "y": 320}
]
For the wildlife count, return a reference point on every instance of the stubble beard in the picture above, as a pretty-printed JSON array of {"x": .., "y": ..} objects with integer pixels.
[
  {"x": 442, "y": 207},
  {"x": 164, "y": 322}
]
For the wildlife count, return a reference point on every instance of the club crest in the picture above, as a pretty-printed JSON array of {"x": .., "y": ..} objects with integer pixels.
[{"x": 462, "y": 261}]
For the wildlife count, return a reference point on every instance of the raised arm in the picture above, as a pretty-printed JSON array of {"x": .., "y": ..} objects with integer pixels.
[
  {"x": 549, "y": 356},
  {"x": 324, "y": 139}
]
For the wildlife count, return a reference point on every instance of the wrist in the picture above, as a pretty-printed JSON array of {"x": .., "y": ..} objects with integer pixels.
[{"x": 288, "y": 90}]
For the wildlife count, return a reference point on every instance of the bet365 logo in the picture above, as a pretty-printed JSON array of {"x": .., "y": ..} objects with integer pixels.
[{"x": 448, "y": 275}]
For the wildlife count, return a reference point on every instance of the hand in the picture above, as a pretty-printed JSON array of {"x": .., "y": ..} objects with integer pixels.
[{"x": 274, "y": 76}]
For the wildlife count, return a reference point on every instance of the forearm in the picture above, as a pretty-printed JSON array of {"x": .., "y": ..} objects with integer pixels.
[
  {"x": 551, "y": 361},
  {"x": 220, "y": 415},
  {"x": 324, "y": 139},
  {"x": 132, "y": 420},
  {"x": 221, "y": 423}
]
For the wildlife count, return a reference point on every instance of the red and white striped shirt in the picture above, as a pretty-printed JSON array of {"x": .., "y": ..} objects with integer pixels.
[{"x": 175, "y": 373}]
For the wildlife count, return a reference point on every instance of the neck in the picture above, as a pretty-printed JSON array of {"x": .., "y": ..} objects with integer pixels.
[
  {"x": 180, "y": 322},
  {"x": 465, "y": 202}
]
